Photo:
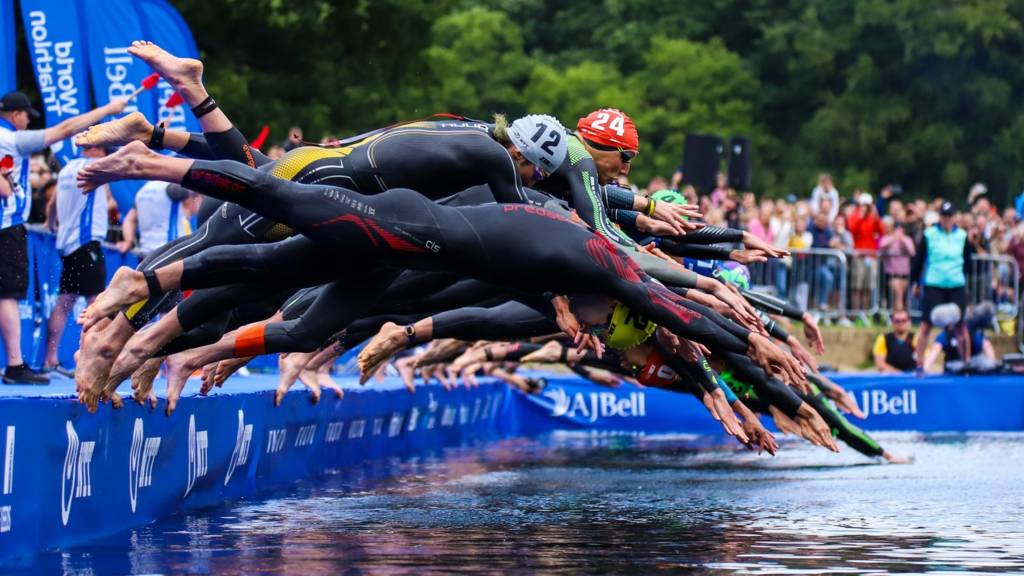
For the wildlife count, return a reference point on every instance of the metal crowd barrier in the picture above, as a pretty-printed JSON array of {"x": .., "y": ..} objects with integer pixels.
[
  {"x": 812, "y": 278},
  {"x": 835, "y": 283}
]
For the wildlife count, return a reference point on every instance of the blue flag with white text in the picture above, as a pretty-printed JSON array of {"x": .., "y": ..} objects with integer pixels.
[
  {"x": 113, "y": 25},
  {"x": 55, "y": 45},
  {"x": 165, "y": 27},
  {"x": 8, "y": 75}
]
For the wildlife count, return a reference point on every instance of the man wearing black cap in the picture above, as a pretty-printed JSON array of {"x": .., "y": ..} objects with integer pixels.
[
  {"x": 941, "y": 267},
  {"x": 17, "y": 144}
]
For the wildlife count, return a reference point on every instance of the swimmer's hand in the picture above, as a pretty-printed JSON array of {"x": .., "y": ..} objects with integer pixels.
[
  {"x": 775, "y": 361},
  {"x": 568, "y": 323},
  {"x": 813, "y": 333},
  {"x": 802, "y": 354},
  {"x": 720, "y": 410}
]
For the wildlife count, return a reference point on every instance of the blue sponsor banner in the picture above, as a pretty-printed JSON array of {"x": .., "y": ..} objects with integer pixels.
[
  {"x": 165, "y": 27},
  {"x": 55, "y": 45},
  {"x": 8, "y": 72},
  {"x": 67, "y": 476},
  {"x": 891, "y": 403}
]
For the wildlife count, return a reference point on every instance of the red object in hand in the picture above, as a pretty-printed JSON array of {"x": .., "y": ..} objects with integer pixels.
[
  {"x": 174, "y": 100},
  {"x": 150, "y": 81},
  {"x": 7, "y": 164},
  {"x": 261, "y": 138}
]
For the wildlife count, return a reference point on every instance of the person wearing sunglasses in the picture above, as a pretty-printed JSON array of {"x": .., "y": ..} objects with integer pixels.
[{"x": 894, "y": 351}]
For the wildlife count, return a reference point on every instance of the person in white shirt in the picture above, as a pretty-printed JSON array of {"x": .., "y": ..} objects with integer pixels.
[
  {"x": 18, "y": 144},
  {"x": 81, "y": 226},
  {"x": 825, "y": 189},
  {"x": 159, "y": 215}
]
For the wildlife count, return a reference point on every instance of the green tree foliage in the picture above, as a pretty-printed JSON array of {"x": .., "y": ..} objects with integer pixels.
[{"x": 921, "y": 92}]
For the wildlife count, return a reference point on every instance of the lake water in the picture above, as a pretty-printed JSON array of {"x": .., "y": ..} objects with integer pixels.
[{"x": 582, "y": 503}]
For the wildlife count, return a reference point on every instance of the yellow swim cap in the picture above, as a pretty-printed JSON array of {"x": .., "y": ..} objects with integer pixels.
[{"x": 626, "y": 329}]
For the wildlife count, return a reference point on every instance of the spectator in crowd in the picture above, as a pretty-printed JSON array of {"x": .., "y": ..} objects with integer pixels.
[
  {"x": 39, "y": 177},
  {"x": 690, "y": 193},
  {"x": 825, "y": 189},
  {"x": 721, "y": 191},
  {"x": 657, "y": 183},
  {"x": 760, "y": 223},
  {"x": 976, "y": 193},
  {"x": 275, "y": 152},
  {"x": 940, "y": 268},
  {"x": 676, "y": 182},
  {"x": 81, "y": 221},
  {"x": 1015, "y": 248},
  {"x": 781, "y": 227},
  {"x": 800, "y": 263},
  {"x": 293, "y": 140},
  {"x": 913, "y": 223},
  {"x": 866, "y": 229},
  {"x": 826, "y": 269},
  {"x": 894, "y": 351},
  {"x": 896, "y": 250},
  {"x": 158, "y": 215},
  {"x": 20, "y": 143}
]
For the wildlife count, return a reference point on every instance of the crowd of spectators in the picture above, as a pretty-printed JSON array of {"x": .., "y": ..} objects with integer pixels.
[{"x": 879, "y": 234}]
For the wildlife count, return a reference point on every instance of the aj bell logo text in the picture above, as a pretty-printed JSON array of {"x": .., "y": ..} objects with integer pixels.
[
  {"x": 879, "y": 402},
  {"x": 592, "y": 405}
]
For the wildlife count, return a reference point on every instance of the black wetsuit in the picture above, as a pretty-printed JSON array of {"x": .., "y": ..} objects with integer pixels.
[{"x": 518, "y": 246}]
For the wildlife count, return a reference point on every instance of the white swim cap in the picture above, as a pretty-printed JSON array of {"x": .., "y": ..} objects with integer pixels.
[{"x": 541, "y": 139}]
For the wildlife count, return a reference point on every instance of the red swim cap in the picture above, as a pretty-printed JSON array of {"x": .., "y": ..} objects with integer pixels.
[{"x": 610, "y": 127}]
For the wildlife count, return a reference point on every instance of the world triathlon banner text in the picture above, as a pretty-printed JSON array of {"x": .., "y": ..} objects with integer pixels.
[{"x": 56, "y": 47}]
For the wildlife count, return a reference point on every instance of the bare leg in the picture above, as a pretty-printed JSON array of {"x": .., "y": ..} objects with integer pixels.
[
  {"x": 96, "y": 355},
  {"x": 141, "y": 348},
  {"x": 10, "y": 330},
  {"x": 922, "y": 342},
  {"x": 55, "y": 327},
  {"x": 142, "y": 381},
  {"x": 290, "y": 366},
  {"x": 216, "y": 373}
]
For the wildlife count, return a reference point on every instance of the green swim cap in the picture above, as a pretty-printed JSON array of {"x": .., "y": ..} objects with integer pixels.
[
  {"x": 669, "y": 196},
  {"x": 626, "y": 329}
]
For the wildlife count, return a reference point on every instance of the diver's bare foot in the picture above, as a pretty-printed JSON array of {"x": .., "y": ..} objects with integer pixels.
[
  {"x": 121, "y": 165},
  {"x": 135, "y": 354},
  {"x": 99, "y": 347},
  {"x": 221, "y": 372},
  {"x": 323, "y": 377},
  {"x": 308, "y": 378},
  {"x": 133, "y": 127},
  {"x": 123, "y": 290},
  {"x": 407, "y": 372},
  {"x": 126, "y": 288},
  {"x": 184, "y": 74},
  {"x": 142, "y": 381},
  {"x": 547, "y": 354},
  {"x": 179, "y": 368},
  {"x": 290, "y": 365},
  {"x": 388, "y": 341}
]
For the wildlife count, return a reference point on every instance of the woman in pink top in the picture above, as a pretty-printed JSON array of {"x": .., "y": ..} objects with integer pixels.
[{"x": 896, "y": 249}]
